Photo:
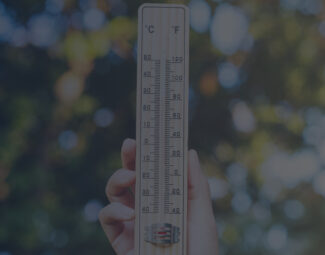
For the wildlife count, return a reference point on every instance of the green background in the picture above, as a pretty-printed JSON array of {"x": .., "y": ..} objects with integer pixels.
[{"x": 67, "y": 102}]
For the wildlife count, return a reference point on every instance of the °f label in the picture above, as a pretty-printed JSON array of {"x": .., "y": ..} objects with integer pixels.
[{"x": 162, "y": 130}]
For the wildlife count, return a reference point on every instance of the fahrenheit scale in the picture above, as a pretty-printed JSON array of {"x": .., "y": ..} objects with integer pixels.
[{"x": 162, "y": 130}]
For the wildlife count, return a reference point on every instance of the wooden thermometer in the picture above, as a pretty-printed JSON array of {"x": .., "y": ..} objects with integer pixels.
[{"x": 162, "y": 130}]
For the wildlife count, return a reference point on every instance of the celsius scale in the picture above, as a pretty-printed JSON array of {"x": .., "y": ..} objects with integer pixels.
[{"x": 162, "y": 130}]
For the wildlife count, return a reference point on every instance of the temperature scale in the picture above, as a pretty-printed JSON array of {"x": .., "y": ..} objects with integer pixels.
[{"x": 162, "y": 130}]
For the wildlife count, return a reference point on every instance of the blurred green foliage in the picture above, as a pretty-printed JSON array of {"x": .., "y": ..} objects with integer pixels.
[{"x": 67, "y": 101}]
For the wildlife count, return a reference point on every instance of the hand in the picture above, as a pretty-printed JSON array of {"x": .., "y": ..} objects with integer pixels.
[{"x": 117, "y": 219}]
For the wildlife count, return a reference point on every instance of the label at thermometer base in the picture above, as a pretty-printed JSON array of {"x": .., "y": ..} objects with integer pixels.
[{"x": 162, "y": 130}]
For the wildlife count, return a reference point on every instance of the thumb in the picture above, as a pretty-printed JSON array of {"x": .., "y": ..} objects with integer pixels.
[
  {"x": 201, "y": 220},
  {"x": 198, "y": 186}
]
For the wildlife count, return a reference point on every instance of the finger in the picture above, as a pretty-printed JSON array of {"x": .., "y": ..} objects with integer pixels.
[
  {"x": 117, "y": 189},
  {"x": 116, "y": 212},
  {"x": 197, "y": 182},
  {"x": 128, "y": 154},
  {"x": 200, "y": 203},
  {"x": 112, "y": 217}
]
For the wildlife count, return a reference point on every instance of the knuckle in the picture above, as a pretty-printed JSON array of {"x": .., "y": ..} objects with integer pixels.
[{"x": 111, "y": 181}]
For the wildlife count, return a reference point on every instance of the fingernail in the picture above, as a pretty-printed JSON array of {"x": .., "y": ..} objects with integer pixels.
[
  {"x": 127, "y": 143},
  {"x": 194, "y": 158}
]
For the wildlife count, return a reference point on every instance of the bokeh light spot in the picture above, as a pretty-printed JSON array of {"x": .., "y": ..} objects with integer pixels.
[
  {"x": 43, "y": 30},
  {"x": 228, "y": 75},
  {"x": 68, "y": 140},
  {"x": 69, "y": 87},
  {"x": 241, "y": 202},
  {"x": 91, "y": 210},
  {"x": 229, "y": 28},
  {"x": 277, "y": 237},
  {"x": 236, "y": 175},
  {"x": 200, "y": 15},
  {"x": 93, "y": 19},
  {"x": 291, "y": 170},
  {"x": 243, "y": 118},
  {"x": 103, "y": 117},
  {"x": 209, "y": 84},
  {"x": 218, "y": 188}
]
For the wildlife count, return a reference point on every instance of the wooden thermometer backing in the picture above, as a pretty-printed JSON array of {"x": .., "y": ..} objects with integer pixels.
[{"x": 162, "y": 130}]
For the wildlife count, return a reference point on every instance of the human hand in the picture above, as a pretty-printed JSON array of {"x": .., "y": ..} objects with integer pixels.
[{"x": 117, "y": 218}]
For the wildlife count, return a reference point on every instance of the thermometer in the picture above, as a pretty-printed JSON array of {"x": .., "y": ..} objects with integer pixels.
[{"x": 162, "y": 130}]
